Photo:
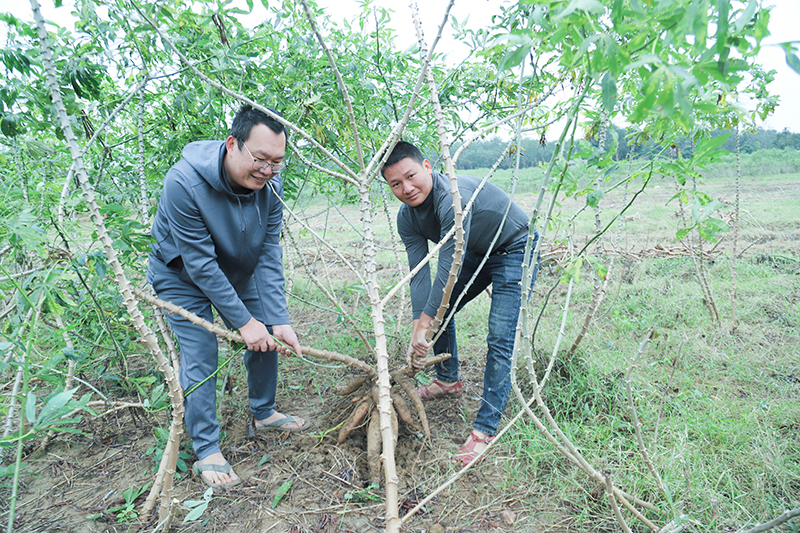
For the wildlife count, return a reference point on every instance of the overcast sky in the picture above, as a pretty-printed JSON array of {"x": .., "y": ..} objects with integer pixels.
[{"x": 784, "y": 26}]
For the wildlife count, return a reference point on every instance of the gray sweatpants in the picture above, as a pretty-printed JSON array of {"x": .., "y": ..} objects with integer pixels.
[{"x": 198, "y": 352}]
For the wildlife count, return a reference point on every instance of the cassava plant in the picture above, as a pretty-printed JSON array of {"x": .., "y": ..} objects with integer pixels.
[
  {"x": 176, "y": 395},
  {"x": 657, "y": 65}
]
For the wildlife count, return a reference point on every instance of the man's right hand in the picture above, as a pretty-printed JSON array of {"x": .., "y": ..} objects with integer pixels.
[
  {"x": 418, "y": 349},
  {"x": 415, "y": 361},
  {"x": 256, "y": 336}
]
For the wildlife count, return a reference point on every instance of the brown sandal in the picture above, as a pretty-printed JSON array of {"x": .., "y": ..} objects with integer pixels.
[
  {"x": 466, "y": 454},
  {"x": 451, "y": 391}
]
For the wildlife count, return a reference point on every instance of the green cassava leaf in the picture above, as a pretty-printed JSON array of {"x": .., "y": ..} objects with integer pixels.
[
  {"x": 11, "y": 125},
  {"x": 281, "y": 492},
  {"x": 791, "y": 57},
  {"x": 709, "y": 150},
  {"x": 198, "y": 507},
  {"x": 601, "y": 270},
  {"x": 682, "y": 233},
  {"x": 716, "y": 225},
  {"x": 746, "y": 17},
  {"x": 54, "y": 407},
  {"x": 572, "y": 270},
  {"x": 30, "y": 407},
  {"x": 514, "y": 57},
  {"x": 723, "y": 6},
  {"x": 592, "y": 6},
  {"x": 594, "y": 197},
  {"x": 195, "y": 513},
  {"x": 707, "y": 233}
]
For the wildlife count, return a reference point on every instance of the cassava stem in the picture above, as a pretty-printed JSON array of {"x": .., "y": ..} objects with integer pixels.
[
  {"x": 167, "y": 469},
  {"x": 232, "y": 335}
]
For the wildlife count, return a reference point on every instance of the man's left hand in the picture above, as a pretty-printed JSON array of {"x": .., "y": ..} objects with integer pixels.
[
  {"x": 420, "y": 344},
  {"x": 285, "y": 333}
]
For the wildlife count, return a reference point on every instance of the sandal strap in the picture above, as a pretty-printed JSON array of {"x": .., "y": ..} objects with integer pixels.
[
  {"x": 207, "y": 467},
  {"x": 448, "y": 388},
  {"x": 467, "y": 452},
  {"x": 486, "y": 440},
  {"x": 454, "y": 391}
]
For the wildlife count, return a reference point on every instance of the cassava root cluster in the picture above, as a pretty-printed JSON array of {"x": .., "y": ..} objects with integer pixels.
[{"x": 364, "y": 401}]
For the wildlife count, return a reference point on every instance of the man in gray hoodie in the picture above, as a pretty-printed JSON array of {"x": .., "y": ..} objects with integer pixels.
[{"x": 217, "y": 235}]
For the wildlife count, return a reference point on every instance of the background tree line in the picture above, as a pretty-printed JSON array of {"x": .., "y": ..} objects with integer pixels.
[{"x": 482, "y": 154}]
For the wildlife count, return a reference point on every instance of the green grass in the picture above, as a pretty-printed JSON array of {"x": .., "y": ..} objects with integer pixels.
[{"x": 720, "y": 411}]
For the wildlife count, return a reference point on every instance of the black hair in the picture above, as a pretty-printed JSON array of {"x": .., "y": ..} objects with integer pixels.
[
  {"x": 248, "y": 117},
  {"x": 402, "y": 150}
]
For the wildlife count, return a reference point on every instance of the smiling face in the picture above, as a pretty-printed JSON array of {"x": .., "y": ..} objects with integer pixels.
[
  {"x": 411, "y": 182},
  {"x": 264, "y": 144}
]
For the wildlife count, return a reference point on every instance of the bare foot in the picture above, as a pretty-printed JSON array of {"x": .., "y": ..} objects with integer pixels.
[
  {"x": 216, "y": 478},
  {"x": 289, "y": 425}
]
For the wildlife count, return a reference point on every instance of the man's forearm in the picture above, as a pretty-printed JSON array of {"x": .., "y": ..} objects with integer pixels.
[{"x": 424, "y": 322}]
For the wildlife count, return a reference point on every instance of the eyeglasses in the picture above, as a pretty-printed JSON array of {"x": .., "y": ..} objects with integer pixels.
[{"x": 261, "y": 164}]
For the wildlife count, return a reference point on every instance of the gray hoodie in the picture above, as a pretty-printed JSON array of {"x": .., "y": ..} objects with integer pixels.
[{"x": 223, "y": 238}]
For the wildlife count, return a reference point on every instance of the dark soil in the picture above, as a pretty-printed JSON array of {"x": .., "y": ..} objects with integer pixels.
[{"x": 78, "y": 480}]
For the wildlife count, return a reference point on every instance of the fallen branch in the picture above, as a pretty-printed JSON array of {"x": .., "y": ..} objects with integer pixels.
[
  {"x": 233, "y": 336},
  {"x": 613, "y": 501},
  {"x": 788, "y": 515}
]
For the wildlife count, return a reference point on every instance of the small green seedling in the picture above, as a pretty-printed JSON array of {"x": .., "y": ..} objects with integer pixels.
[
  {"x": 127, "y": 510},
  {"x": 198, "y": 507},
  {"x": 364, "y": 494}
]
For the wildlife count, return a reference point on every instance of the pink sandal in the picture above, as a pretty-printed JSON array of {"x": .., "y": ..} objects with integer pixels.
[
  {"x": 467, "y": 453},
  {"x": 451, "y": 391}
]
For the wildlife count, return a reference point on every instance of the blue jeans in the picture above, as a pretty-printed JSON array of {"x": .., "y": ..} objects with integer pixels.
[
  {"x": 198, "y": 352},
  {"x": 504, "y": 273}
]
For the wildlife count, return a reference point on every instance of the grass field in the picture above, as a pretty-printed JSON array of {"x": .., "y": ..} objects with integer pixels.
[{"x": 719, "y": 404}]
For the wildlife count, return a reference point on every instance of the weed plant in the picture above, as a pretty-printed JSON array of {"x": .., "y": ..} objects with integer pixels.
[{"x": 720, "y": 411}]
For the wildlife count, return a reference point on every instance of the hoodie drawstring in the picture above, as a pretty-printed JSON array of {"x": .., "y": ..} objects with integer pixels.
[{"x": 241, "y": 214}]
